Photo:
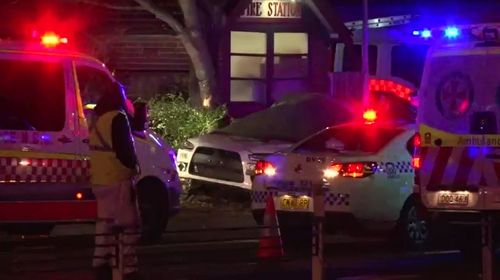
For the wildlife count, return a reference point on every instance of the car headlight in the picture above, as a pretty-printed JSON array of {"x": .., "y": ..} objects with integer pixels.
[{"x": 187, "y": 145}]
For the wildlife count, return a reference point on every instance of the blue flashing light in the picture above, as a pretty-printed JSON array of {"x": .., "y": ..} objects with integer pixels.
[
  {"x": 416, "y": 32},
  {"x": 426, "y": 33},
  {"x": 451, "y": 32}
]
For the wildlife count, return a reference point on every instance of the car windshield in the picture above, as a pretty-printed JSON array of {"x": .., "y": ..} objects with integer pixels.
[
  {"x": 352, "y": 138},
  {"x": 31, "y": 95},
  {"x": 460, "y": 85}
]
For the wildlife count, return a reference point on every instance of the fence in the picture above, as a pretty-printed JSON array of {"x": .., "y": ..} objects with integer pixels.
[{"x": 227, "y": 247}]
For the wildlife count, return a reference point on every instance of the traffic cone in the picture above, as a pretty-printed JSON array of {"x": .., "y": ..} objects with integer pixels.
[{"x": 270, "y": 245}]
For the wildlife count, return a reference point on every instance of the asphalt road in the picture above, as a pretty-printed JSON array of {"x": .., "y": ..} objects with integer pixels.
[{"x": 226, "y": 254}]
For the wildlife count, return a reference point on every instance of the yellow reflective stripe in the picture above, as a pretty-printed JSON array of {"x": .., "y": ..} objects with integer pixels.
[
  {"x": 430, "y": 135},
  {"x": 33, "y": 154}
]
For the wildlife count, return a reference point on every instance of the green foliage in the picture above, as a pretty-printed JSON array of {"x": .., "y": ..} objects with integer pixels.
[{"x": 176, "y": 119}]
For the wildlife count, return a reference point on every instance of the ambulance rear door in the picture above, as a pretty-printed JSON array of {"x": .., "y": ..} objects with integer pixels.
[{"x": 38, "y": 149}]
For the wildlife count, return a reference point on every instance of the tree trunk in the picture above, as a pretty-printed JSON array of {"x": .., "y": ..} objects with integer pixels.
[{"x": 197, "y": 48}]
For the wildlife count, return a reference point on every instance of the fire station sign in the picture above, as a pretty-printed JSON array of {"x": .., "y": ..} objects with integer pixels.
[{"x": 284, "y": 9}]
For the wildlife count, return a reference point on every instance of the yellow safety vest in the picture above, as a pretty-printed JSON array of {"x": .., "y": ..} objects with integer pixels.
[{"x": 105, "y": 167}]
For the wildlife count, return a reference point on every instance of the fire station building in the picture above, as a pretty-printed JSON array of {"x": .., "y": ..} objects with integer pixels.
[{"x": 274, "y": 49}]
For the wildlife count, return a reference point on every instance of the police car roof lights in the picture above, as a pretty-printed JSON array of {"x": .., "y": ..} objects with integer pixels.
[
  {"x": 370, "y": 116},
  {"x": 51, "y": 40}
]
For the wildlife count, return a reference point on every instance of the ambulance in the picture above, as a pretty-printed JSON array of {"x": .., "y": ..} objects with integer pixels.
[
  {"x": 47, "y": 92},
  {"x": 459, "y": 125},
  {"x": 458, "y": 159}
]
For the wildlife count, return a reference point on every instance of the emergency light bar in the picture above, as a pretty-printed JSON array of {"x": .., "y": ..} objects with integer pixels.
[
  {"x": 487, "y": 32},
  {"x": 51, "y": 39}
]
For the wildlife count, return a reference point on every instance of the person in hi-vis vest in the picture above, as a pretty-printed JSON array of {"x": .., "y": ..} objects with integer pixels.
[{"x": 113, "y": 164}]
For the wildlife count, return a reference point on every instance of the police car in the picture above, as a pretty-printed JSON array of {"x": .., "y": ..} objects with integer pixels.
[
  {"x": 46, "y": 91},
  {"x": 365, "y": 169}
]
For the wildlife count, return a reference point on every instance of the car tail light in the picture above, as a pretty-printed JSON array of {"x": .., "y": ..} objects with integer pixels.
[
  {"x": 350, "y": 169},
  {"x": 417, "y": 142},
  {"x": 265, "y": 167},
  {"x": 416, "y": 160}
]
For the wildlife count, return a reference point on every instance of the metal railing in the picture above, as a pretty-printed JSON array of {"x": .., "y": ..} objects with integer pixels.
[{"x": 74, "y": 253}]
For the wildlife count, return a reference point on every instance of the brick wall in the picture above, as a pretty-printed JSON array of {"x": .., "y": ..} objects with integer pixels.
[{"x": 149, "y": 53}]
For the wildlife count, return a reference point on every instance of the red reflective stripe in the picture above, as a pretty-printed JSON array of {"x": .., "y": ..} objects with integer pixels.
[
  {"x": 48, "y": 211},
  {"x": 440, "y": 165},
  {"x": 464, "y": 168}
]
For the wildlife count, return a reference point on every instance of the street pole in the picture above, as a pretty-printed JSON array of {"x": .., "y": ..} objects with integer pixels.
[
  {"x": 365, "y": 71},
  {"x": 318, "y": 271}
]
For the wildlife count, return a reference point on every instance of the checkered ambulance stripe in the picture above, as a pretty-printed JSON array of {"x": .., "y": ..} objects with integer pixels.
[
  {"x": 459, "y": 166},
  {"x": 332, "y": 199},
  {"x": 47, "y": 170}
]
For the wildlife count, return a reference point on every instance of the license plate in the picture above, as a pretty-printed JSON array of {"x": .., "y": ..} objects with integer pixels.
[
  {"x": 288, "y": 202},
  {"x": 453, "y": 199}
]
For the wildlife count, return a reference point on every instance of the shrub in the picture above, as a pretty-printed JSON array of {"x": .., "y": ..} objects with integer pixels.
[{"x": 174, "y": 118}]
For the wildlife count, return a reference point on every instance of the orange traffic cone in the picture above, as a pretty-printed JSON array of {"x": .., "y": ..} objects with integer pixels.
[{"x": 270, "y": 245}]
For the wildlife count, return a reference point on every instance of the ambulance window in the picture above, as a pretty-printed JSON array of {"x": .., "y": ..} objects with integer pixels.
[
  {"x": 351, "y": 59},
  {"x": 352, "y": 138},
  {"x": 407, "y": 62},
  {"x": 92, "y": 83},
  {"x": 32, "y": 95}
]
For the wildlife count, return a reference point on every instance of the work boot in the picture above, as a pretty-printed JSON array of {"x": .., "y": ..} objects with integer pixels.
[
  {"x": 132, "y": 276},
  {"x": 103, "y": 272}
]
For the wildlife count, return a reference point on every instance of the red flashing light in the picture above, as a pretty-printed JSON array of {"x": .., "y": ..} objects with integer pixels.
[
  {"x": 417, "y": 141},
  {"x": 370, "y": 116},
  {"x": 51, "y": 39},
  {"x": 416, "y": 162},
  {"x": 379, "y": 85},
  {"x": 265, "y": 167},
  {"x": 79, "y": 195}
]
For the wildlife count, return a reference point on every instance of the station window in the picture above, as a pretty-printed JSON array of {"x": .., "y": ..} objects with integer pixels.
[
  {"x": 253, "y": 79},
  {"x": 404, "y": 55},
  {"x": 32, "y": 95},
  {"x": 248, "y": 66}
]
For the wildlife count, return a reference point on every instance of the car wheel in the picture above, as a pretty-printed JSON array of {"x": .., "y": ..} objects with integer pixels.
[
  {"x": 153, "y": 208},
  {"x": 413, "y": 229}
]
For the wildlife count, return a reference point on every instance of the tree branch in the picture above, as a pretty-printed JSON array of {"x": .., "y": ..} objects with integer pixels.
[
  {"x": 162, "y": 15},
  {"x": 111, "y": 6}
]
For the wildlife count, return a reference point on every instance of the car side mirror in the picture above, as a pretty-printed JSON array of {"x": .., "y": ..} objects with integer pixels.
[{"x": 140, "y": 120}]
